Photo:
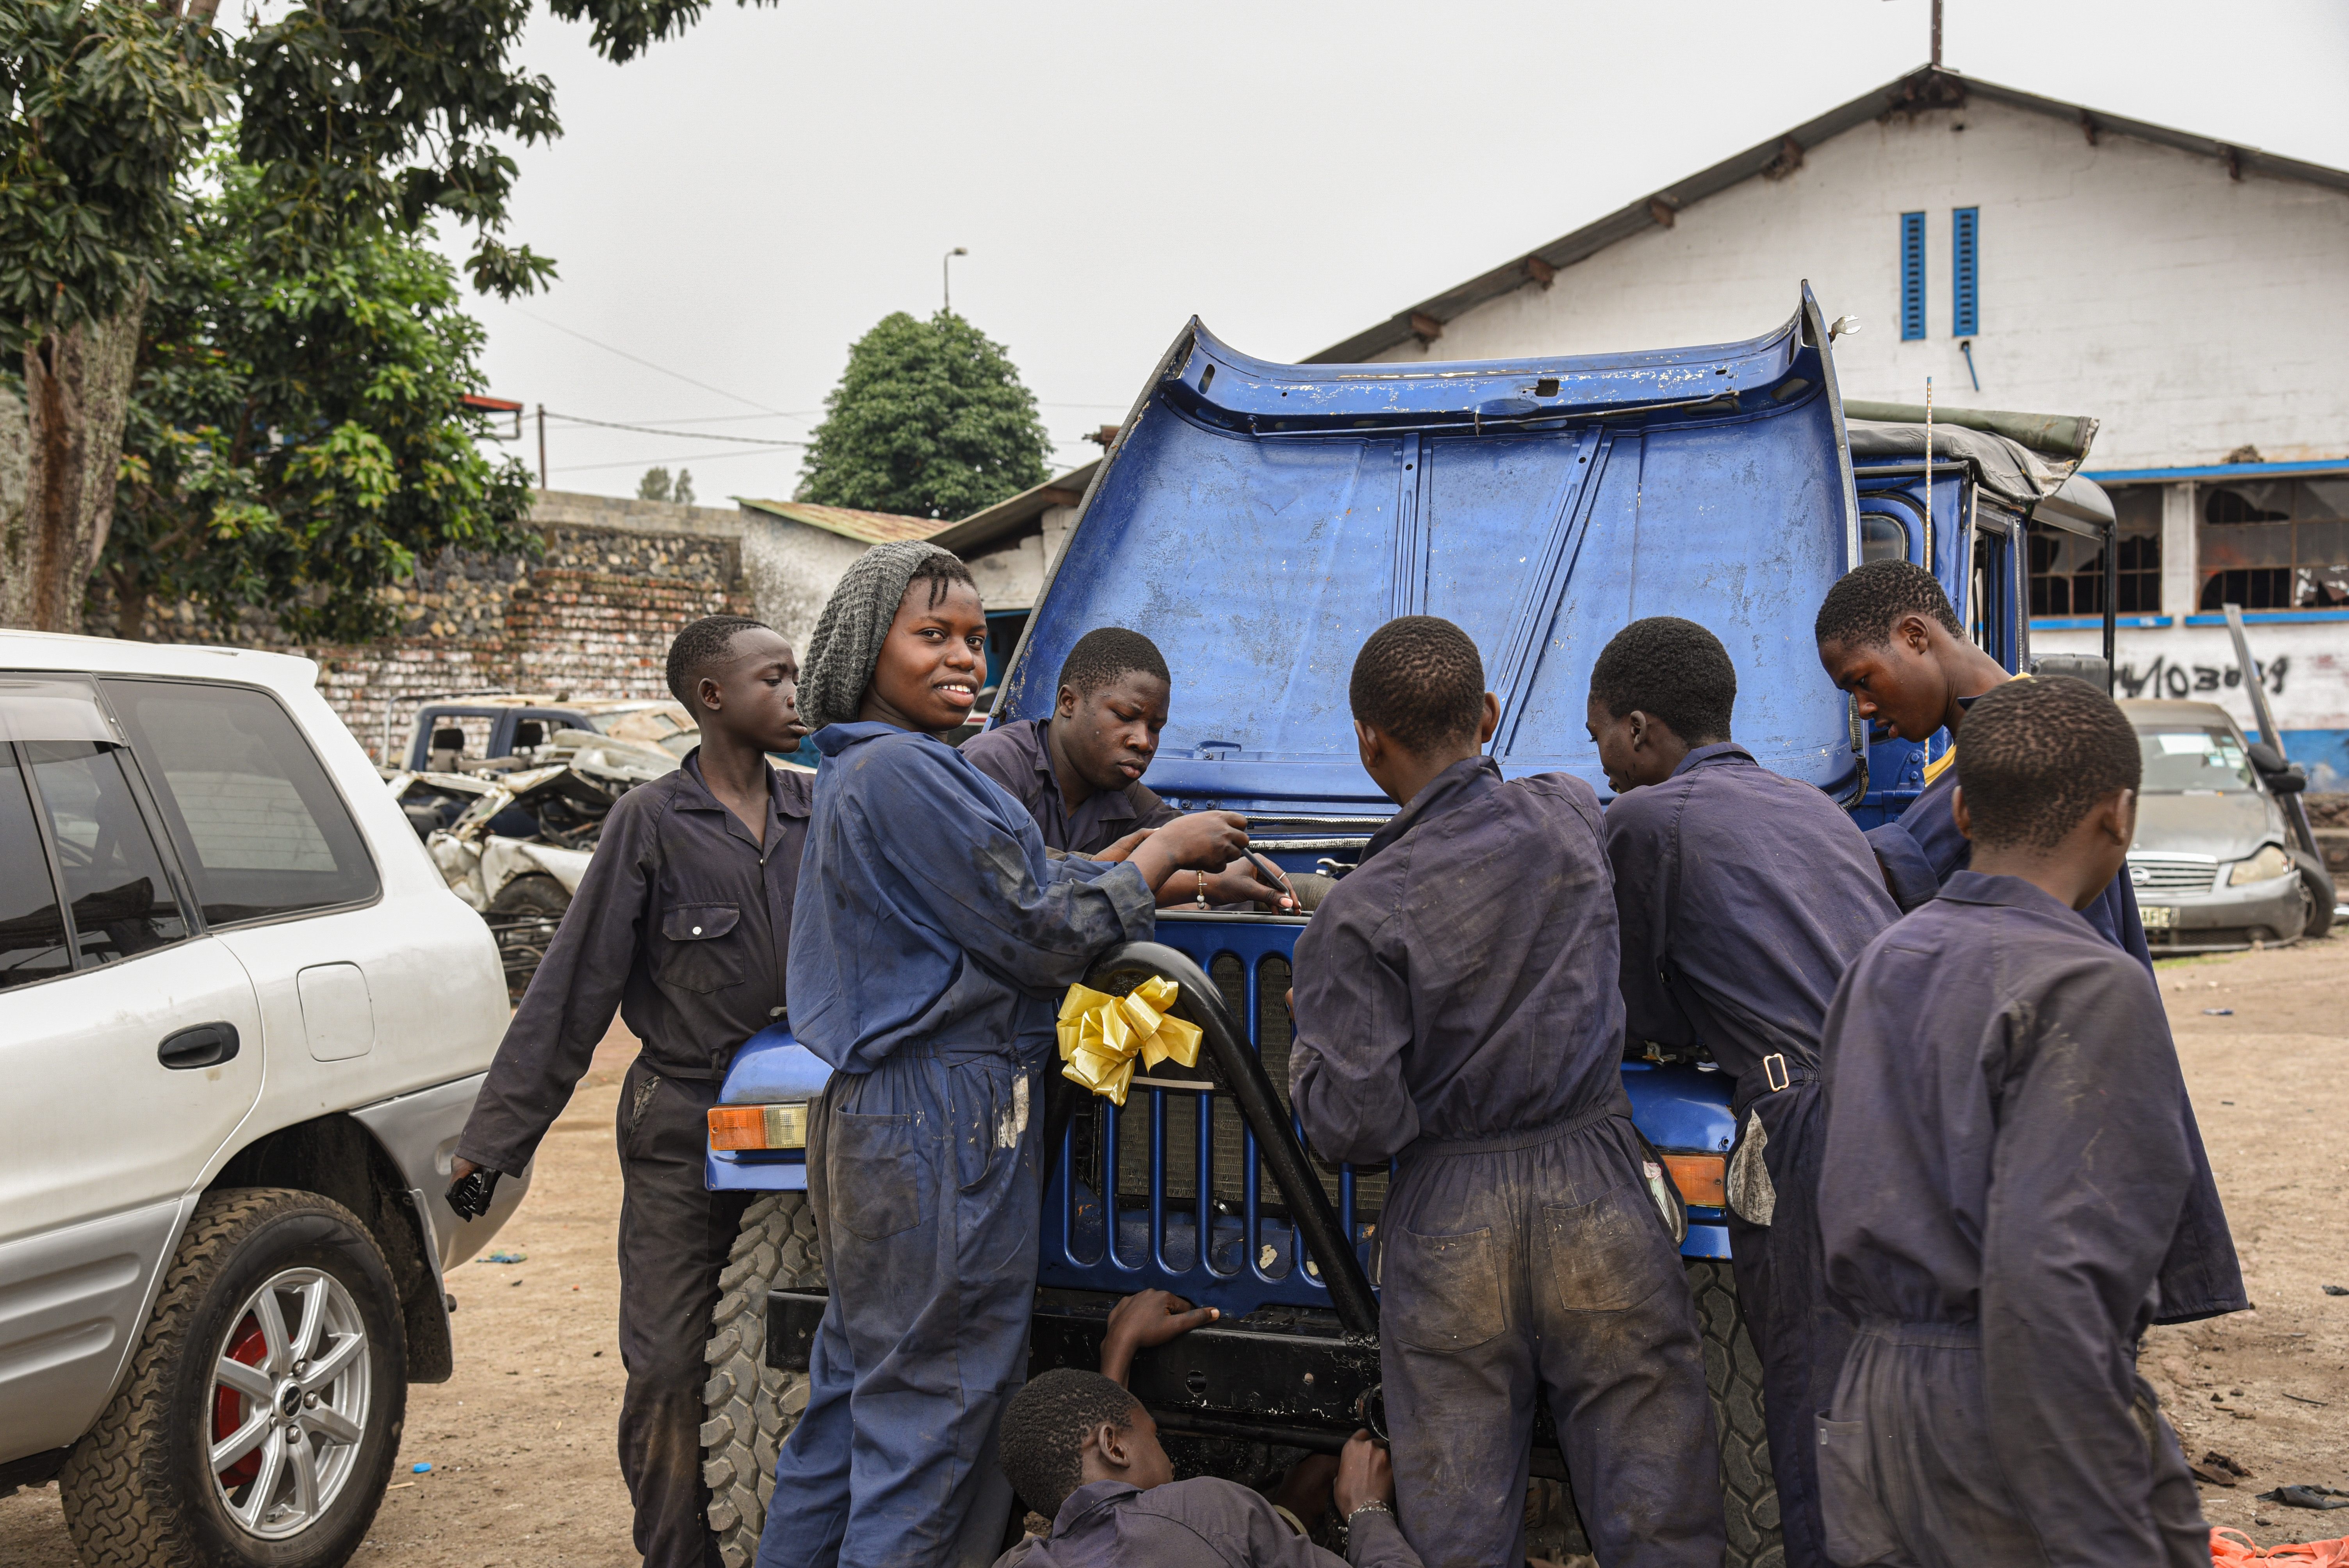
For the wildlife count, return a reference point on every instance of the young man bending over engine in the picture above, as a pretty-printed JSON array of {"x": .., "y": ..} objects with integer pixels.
[
  {"x": 2009, "y": 1162},
  {"x": 1079, "y": 773},
  {"x": 1887, "y": 634},
  {"x": 1744, "y": 896},
  {"x": 1458, "y": 1009}
]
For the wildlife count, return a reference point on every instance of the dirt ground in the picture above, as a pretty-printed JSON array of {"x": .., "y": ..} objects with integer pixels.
[{"x": 520, "y": 1441}]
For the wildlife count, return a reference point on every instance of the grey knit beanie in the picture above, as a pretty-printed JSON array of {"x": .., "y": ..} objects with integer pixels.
[{"x": 846, "y": 642}]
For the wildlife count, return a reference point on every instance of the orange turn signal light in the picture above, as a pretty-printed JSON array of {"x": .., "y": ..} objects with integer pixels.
[
  {"x": 1702, "y": 1179},
  {"x": 758, "y": 1127}
]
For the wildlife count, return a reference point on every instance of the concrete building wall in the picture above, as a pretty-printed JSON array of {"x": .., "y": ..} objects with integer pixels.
[
  {"x": 2191, "y": 312},
  {"x": 791, "y": 569}
]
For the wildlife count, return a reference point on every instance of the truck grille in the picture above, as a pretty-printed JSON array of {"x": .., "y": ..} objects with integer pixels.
[
  {"x": 2149, "y": 876},
  {"x": 1228, "y": 1147}
]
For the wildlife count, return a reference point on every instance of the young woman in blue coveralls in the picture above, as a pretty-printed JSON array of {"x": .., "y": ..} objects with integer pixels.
[{"x": 931, "y": 942}]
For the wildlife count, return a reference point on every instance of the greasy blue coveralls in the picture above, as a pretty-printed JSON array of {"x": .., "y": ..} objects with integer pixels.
[
  {"x": 1920, "y": 853},
  {"x": 2007, "y": 1167},
  {"x": 1744, "y": 896},
  {"x": 931, "y": 943},
  {"x": 1457, "y": 1008}
]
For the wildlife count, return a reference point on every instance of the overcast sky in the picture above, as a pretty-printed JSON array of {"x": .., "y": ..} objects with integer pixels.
[{"x": 739, "y": 206}]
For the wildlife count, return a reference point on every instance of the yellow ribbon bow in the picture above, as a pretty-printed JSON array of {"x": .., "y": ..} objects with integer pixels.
[{"x": 1101, "y": 1035}]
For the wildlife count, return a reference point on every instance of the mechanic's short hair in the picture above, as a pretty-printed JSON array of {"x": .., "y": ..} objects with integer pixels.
[
  {"x": 1859, "y": 610},
  {"x": 1044, "y": 1427},
  {"x": 1670, "y": 668},
  {"x": 699, "y": 646},
  {"x": 1106, "y": 652},
  {"x": 1418, "y": 679},
  {"x": 2034, "y": 757}
]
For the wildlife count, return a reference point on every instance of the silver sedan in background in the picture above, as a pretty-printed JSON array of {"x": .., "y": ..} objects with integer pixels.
[{"x": 2213, "y": 863}]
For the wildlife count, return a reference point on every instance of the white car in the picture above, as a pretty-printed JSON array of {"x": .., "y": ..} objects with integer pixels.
[{"x": 243, "y": 1020}]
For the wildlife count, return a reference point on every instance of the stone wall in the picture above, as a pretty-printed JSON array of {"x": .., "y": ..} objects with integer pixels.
[{"x": 591, "y": 618}]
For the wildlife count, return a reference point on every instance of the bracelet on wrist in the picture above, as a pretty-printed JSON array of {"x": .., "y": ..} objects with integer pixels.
[{"x": 1374, "y": 1506}]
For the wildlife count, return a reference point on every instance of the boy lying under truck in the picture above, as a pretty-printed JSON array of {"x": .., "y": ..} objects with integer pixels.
[
  {"x": 1080, "y": 771},
  {"x": 1084, "y": 1453}
]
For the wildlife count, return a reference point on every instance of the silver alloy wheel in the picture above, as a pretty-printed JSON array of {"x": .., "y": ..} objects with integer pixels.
[{"x": 297, "y": 1409}]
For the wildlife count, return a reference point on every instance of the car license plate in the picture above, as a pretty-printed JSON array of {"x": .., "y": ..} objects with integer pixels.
[{"x": 2157, "y": 916}]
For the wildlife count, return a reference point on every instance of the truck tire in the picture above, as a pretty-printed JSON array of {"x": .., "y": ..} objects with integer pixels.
[
  {"x": 269, "y": 1279},
  {"x": 751, "y": 1407},
  {"x": 1732, "y": 1376},
  {"x": 523, "y": 917}
]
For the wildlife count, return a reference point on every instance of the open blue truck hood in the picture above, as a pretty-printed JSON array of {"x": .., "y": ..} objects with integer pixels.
[{"x": 1259, "y": 521}]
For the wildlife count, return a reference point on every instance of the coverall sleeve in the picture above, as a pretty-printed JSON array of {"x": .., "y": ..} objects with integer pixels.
[
  {"x": 572, "y": 998},
  {"x": 1641, "y": 844},
  {"x": 1353, "y": 1025},
  {"x": 2088, "y": 1178},
  {"x": 1908, "y": 874},
  {"x": 1035, "y": 932}
]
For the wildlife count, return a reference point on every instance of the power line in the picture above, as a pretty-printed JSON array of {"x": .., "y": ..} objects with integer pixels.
[
  {"x": 702, "y": 435},
  {"x": 647, "y": 364},
  {"x": 647, "y": 462}
]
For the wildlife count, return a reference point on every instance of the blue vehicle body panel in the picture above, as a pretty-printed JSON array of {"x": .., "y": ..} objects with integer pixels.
[
  {"x": 771, "y": 1066},
  {"x": 1259, "y": 521}
]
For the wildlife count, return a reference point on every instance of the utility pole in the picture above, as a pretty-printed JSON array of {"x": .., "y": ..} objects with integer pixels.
[
  {"x": 945, "y": 263},
  {"x": 1936, "y": 35},
  {"x": 542, "y": 446}
]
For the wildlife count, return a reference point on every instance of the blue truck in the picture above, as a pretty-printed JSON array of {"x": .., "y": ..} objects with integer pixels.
[{"x": 1258, "y": 521}]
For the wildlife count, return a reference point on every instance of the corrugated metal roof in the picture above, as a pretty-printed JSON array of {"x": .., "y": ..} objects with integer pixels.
[
  {"x": 965, "y": 537},
  {"x": 1927, "y": 88},
  {"x": 871, "y": 527}
]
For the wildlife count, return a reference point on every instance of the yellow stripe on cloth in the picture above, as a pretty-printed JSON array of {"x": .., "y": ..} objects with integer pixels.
[{"x": 1101, "y": 1036}]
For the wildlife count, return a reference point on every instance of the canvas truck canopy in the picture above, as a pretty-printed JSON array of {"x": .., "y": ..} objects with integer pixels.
[{"x": 1258, "y": 521}]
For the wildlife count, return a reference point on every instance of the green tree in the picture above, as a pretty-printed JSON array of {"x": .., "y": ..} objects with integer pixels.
[
  {"x": 362, "y": 117},
  {"x": 295, "y": 442},
  {"x": 930, "y": 419},
  {"x": 654, "y": 485}
]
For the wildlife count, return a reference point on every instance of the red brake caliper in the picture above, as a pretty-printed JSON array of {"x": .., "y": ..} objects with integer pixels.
[{"x": 229, "y": 1406}]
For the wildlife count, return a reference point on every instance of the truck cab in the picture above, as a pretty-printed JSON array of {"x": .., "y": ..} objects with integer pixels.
[{"x": 1258, "y": 521}]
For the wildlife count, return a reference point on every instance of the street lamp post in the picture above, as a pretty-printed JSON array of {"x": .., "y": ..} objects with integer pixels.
[{"x": 946, "y": 271}]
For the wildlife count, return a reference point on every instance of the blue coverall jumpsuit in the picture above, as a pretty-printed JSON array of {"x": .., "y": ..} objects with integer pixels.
[{"x": 931, "y": 942}]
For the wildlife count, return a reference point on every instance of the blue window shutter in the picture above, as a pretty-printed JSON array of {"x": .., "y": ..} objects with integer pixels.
[
  {"x": 1965, "y": 255},
  {"x": 1912, "y": 276}
]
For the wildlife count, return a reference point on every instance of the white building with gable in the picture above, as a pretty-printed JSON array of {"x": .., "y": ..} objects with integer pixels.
[{"x": 2031, "y": 255}]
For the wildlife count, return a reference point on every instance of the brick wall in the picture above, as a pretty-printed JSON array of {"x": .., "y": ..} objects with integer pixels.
[{"x": 591, "y": 618}]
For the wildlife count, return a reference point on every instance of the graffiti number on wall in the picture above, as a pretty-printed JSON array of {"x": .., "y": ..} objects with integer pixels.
[{"x": 2178, "y": 682}]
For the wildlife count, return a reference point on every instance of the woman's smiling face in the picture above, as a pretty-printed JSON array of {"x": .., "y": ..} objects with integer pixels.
[{"x": 932, "y": 663}]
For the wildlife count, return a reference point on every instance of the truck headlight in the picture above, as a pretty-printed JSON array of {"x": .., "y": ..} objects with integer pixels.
[
  {"x": 759, "y": 1126},
  {"x": 2270, "y": 863}
]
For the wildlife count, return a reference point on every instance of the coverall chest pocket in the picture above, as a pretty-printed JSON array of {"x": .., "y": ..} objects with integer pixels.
[
  {"x": 699, "y": 950},
  {"x": 1440, "y": 1292},
  {"x": 875, "y": 1174},
  {"x": 1609, "y": 1254}
]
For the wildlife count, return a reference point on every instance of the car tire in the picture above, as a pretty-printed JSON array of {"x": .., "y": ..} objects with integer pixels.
[
  {"x": 523, "y": 917},
  {"x": 1733, "y": 1377},
  {"x": 750, "y": 1406},
  {"x": 2317, "y": 893},
  {"x": 141, "y": 1489}
]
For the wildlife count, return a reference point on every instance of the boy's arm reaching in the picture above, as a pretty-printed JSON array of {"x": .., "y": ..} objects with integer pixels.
[
  {"x": 570, "y": 1003},
  {"x": 1353, "y": 1025},
  {"x": 2089, "y": 1177}
]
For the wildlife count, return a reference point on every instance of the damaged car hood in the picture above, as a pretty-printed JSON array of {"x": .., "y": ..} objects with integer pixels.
[{"x": 1258, "y": 521}]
